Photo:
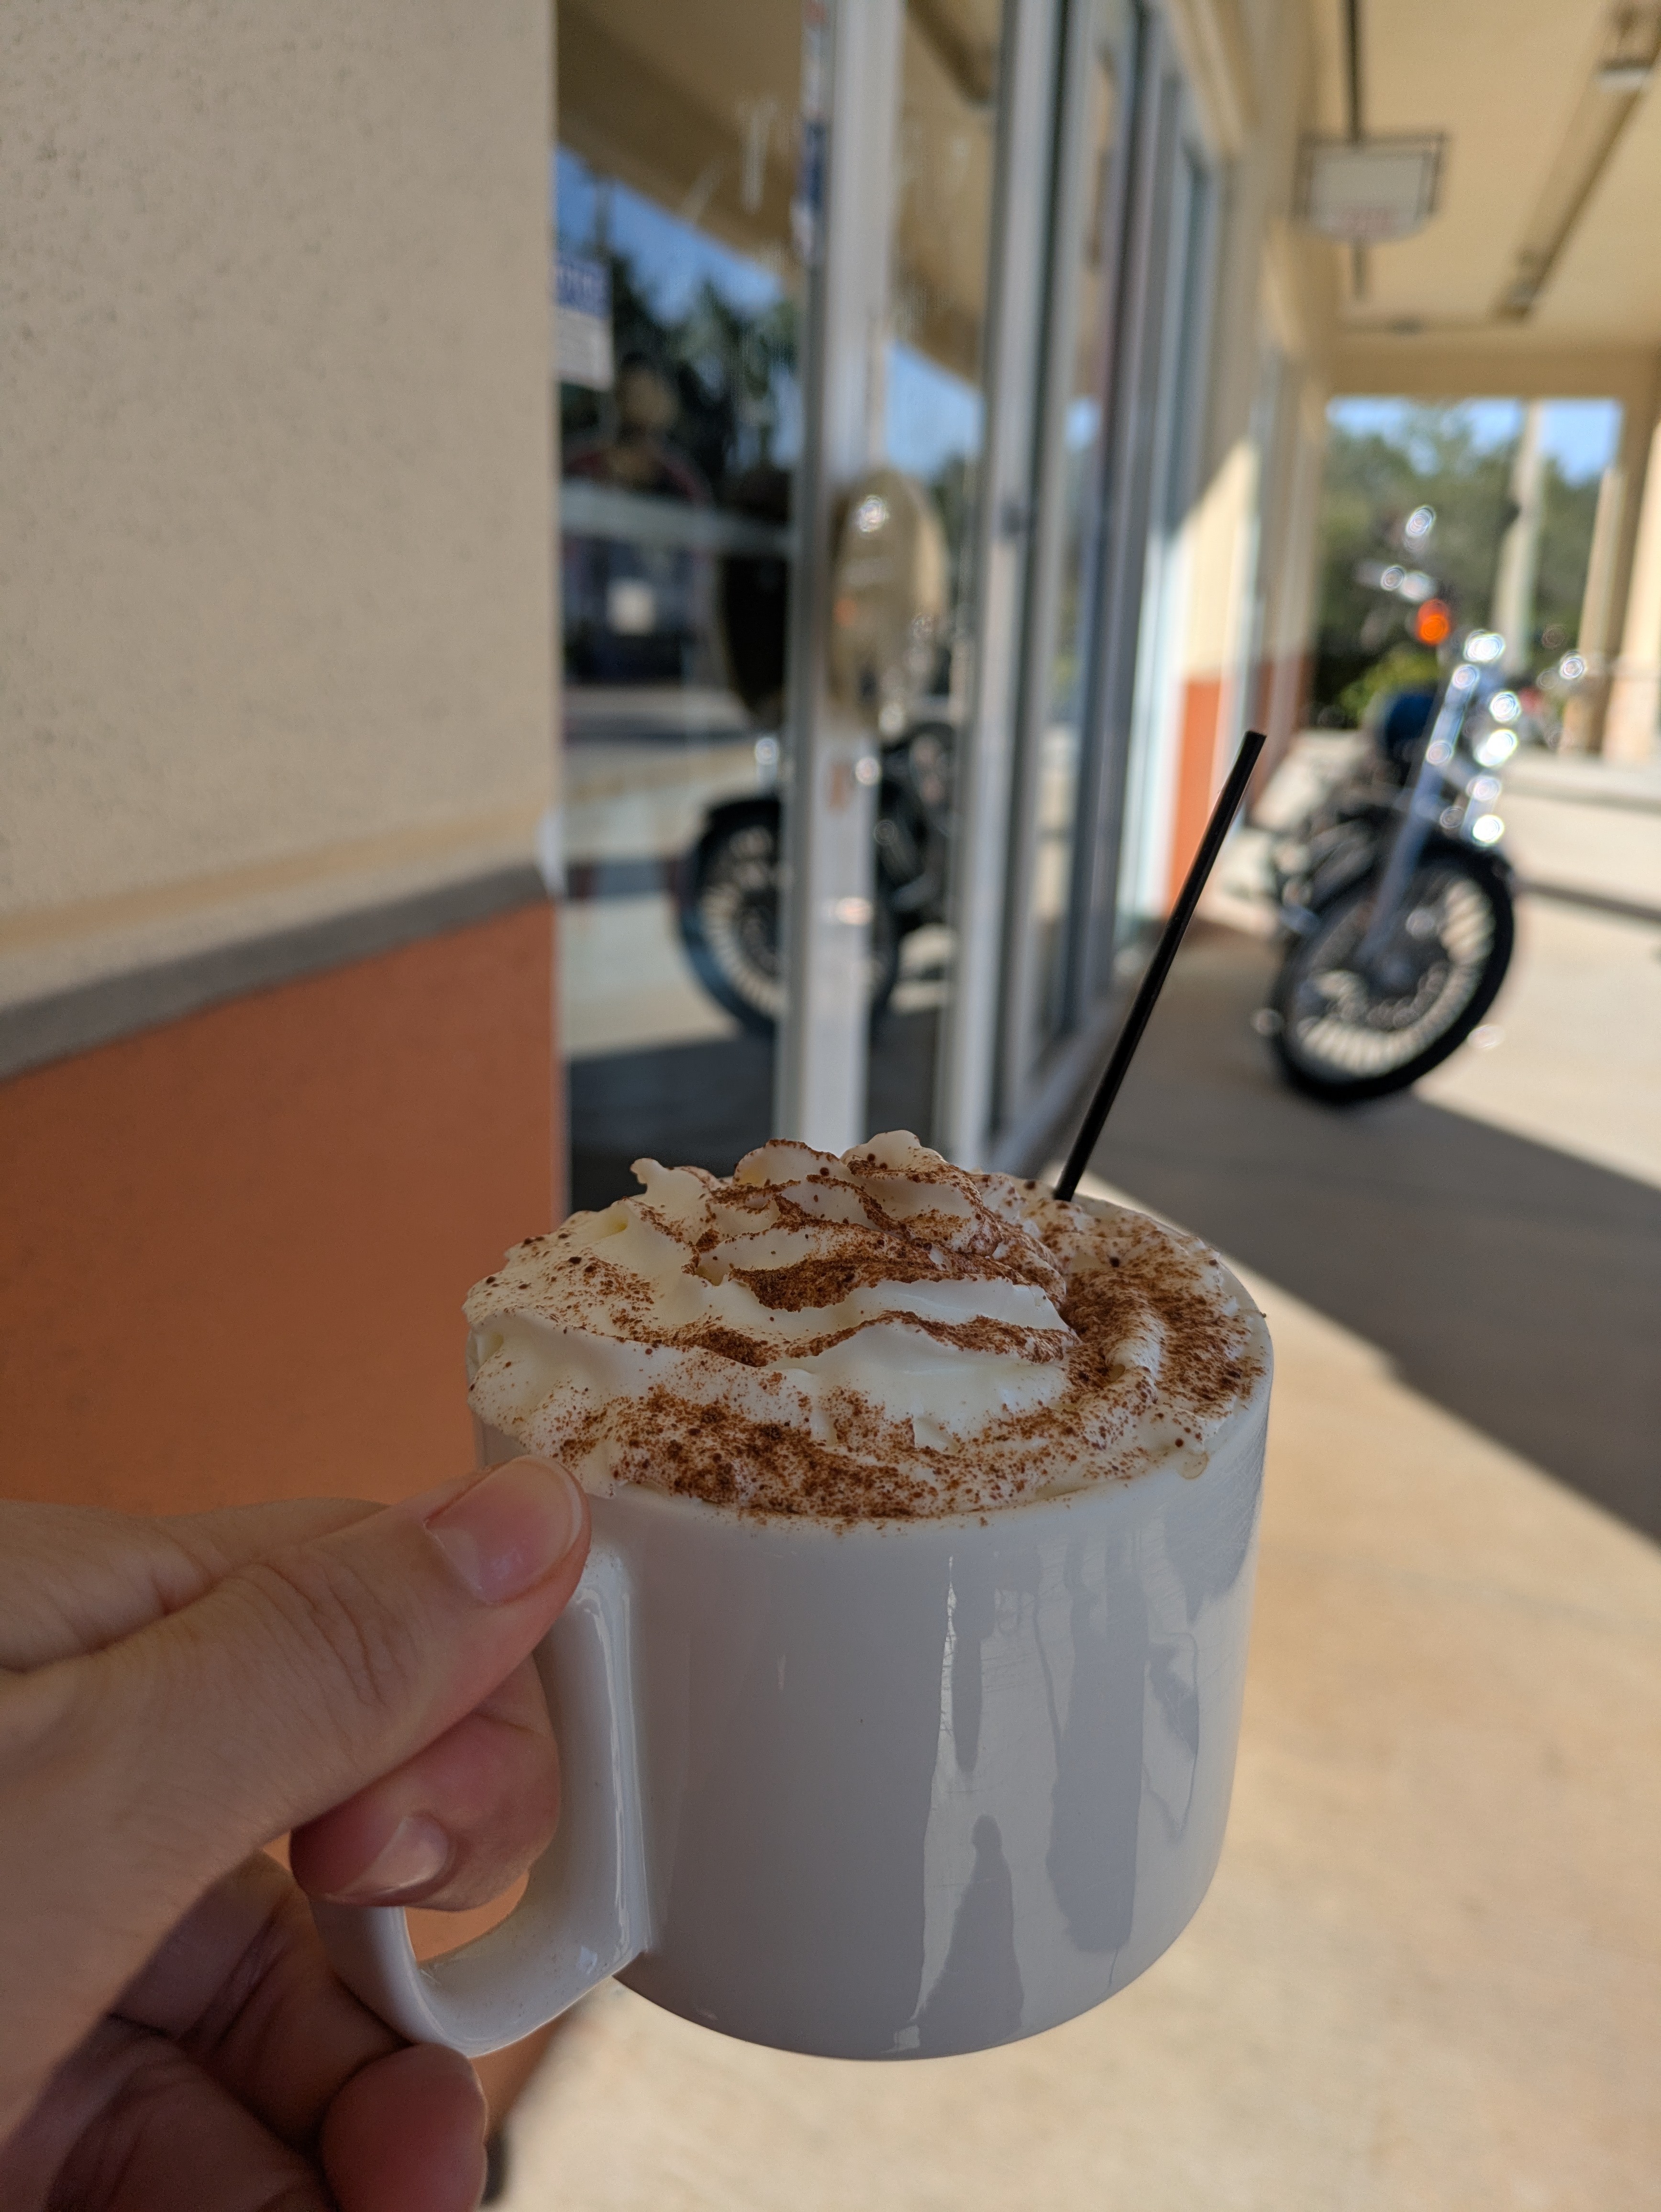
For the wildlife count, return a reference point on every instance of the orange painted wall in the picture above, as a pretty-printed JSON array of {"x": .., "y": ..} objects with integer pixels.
[
  {"x": 233, "y": 1250},
  {"x": 1202, "y": 701}
]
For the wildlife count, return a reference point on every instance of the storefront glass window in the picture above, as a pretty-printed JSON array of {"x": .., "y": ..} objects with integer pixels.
[
  {"x": 1143, "y": 882},
  {"x": 678, "y": 309},
  {"x": 1084, "y": 319}
]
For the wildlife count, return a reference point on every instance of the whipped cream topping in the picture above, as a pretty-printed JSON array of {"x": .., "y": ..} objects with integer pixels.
[{"x": 877, "y": 1335}]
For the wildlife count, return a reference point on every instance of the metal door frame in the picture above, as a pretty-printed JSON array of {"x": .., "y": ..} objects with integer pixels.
[
  {"x": 1127, "y": 513},
  {"x": 1017, "y": 1068},
  {"x": 985, "y": 879},
  {"x": 851, "y": 68}
]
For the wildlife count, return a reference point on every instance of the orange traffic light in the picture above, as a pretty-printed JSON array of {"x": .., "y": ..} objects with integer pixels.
[{"x": 1433, "y": 624}]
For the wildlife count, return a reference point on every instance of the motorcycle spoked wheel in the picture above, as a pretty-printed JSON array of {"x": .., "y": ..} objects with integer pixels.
[
  {"x": 729, "y": 919},
  {"x": 1344, "y": 1038}
]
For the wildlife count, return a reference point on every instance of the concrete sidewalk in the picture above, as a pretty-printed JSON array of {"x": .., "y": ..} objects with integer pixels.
[{"x": 1428, "y": 1974}]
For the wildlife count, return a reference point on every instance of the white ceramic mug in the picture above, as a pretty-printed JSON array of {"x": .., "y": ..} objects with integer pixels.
[{"x": 894, "y": 1791}]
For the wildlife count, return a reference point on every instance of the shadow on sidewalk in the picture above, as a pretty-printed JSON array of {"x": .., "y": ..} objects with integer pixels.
[
  {"x": 1515, "y": 1285},
  {"x": 703, "y": 1105}
]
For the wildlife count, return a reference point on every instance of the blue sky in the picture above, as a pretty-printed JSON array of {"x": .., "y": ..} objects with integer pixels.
[
  {"x": 933, "y": 415},
  {"x": 670, "y": 258},
  {"x": 1581, "y": 435}
]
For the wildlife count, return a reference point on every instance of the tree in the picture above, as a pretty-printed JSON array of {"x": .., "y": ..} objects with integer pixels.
[{"x": 1373, "y": 480}]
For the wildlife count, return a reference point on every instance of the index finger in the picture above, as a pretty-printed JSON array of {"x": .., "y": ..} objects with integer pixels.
[{"x": 73, "y": 1578}]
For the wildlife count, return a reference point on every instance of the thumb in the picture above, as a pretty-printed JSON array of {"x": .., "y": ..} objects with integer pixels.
[{"x": 135, "y": 1776}]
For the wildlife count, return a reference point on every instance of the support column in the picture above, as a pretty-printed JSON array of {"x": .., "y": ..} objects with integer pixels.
[
  {"x": 1583, "y": 714},
  {"x": 1635, "y": 708},
  {"x": 1293, "y": 615},
  {"x": 1519, "y": 548}
]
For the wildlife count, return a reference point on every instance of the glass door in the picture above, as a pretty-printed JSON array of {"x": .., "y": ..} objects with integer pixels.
[
  {"x": 1090, "y": 193},
  {"x": 1142, "y": 881},
  {"x": 678, "y": 298},
  {"x": 1158, "y": 350},
  {"x": 1130, "y": 279}
]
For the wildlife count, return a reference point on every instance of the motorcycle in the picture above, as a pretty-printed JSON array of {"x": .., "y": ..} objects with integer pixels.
[
  {"x": 728, "y": 887},
  {"x": 1396, "y": 904},
  {"x": 888, "y": 627}
]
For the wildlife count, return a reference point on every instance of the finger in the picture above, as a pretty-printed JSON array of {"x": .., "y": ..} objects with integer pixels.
[
  {"x": 407, "y": 2134},
  {"x": 454, "y": 1825},
  {"x": 294, "y": 1682},
  {"x": 129, "y": 2124},
  {"x": 244, "y": 1990},
  {"x": 75, "y": 1578},
  {"x": 243, "y": 1987}
]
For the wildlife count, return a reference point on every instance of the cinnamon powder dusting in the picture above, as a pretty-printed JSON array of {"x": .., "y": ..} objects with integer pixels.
[{"x": 874, "y": 1337}]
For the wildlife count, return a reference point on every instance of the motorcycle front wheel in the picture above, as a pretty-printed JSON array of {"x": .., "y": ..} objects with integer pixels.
[
  {"x": 729, "y": 918},
  {"x": 1344, "y": 1036}
]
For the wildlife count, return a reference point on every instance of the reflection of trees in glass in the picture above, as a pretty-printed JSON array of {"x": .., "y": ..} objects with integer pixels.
[
  {"x": 955, "y": 486},
  {"x": 732, "y": 371},
  {"x": 1373, "y": 482}
]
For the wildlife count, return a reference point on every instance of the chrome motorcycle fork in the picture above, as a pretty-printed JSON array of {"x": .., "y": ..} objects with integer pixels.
[{"x": 1421, "y": 808}]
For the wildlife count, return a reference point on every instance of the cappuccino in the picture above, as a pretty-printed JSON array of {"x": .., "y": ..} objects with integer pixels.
[{"x": 877, "y": 1336}]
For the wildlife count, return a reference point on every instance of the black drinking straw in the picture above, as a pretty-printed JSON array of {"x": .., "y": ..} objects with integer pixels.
[{"x": 1222, "y": 814}]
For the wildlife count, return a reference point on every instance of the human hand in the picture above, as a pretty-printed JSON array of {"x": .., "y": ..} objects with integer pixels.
[{"x": 174, "y": 1694}]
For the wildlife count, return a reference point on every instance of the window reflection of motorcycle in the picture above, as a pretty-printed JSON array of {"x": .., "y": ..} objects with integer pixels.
[
  {"x": 888, "y": 610},
  {"x": 728, "y": 885}
]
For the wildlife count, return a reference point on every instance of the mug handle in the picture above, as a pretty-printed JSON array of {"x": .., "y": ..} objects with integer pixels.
[{"x": 584, "y": 1913}]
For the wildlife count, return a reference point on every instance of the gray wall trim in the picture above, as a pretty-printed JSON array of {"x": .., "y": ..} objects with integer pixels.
[{"x": 43, "y": 1030}]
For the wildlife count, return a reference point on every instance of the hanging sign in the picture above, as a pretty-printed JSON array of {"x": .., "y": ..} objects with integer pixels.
[
  {"x": 582, "y": 322},
  {"x": 1369, "y": 191}
]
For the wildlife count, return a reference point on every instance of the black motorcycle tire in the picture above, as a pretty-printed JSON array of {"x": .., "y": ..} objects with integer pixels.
[
  {"x": 728, "y": 906},
  {"x": 1307, "y": 1058}
]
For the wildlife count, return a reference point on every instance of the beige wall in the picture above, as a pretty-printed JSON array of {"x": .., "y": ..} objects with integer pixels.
[
  {"x": 1250, "y": 535},
  {"x": 274, "y": 428}
]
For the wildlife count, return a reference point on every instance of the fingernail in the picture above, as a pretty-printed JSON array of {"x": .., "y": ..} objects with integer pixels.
[
  {"x": 416, "y": 1852},
  {"x": 512, "y": 1528}
]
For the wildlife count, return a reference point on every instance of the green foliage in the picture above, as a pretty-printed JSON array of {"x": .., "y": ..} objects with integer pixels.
[
  {"x": 731, "y": 370},
  {"x": 1405, "y": 667},
  {"x": 1373, "y": 482},
  {"x": 1565, "y": 548}
]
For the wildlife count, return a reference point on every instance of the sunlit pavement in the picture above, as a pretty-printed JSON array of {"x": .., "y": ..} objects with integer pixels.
[
  {"x": 1428, "y": 1973},
  {"x": 1571, "y": 1054}
]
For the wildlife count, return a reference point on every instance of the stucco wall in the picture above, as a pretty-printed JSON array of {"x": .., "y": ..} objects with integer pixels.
[{"x": 275, "y": 619}]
